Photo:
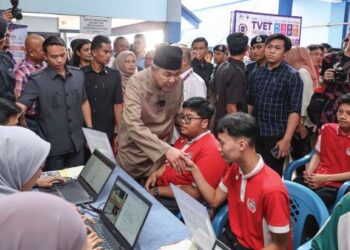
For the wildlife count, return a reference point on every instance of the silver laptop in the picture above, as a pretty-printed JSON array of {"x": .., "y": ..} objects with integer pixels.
[
  {"x": 90, "y": 182},
  {"x": 122, "y": 217}
]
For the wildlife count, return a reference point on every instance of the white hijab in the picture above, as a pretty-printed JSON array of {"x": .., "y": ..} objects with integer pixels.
[{"x": 21, "y": 154}]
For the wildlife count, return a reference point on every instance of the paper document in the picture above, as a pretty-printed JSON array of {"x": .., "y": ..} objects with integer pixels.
[
  {"x": 196, "y": 219},
  {"x": 182, "y": 245},
  {"x": 99, "y": 140},
  {"x": 66, "y": 173}
]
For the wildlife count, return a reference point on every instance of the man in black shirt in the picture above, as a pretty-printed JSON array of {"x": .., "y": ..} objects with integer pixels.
[
  {"x": 199, "y": 64},
  {"x": 103, "y": 87},
  {"x": 229, "y": 82},
  {"x": 62, "y": 106}
]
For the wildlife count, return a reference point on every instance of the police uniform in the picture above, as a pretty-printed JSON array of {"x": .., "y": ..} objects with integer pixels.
[
  {"x": 148, "y": 119},
  {"x": 60, "y": 117}
]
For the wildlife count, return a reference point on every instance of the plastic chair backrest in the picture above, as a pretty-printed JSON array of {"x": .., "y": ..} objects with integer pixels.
[
  {"x": 288, "y": 172},
  {"x": 304, "y": 202},
  {"x": 220, "y": 220}
]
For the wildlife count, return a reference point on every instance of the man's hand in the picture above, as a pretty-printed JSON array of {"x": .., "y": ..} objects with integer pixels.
[
  {"x": 329, "y": 75},
  {"x": 7, "y": 15},
  {"x": 151, "y": 182},
  {"x": 302, "y": 131},
  {"x": 46, "y": 182},
  {"x": 190, "y": 165},
  {"x": 173, "y": 156},
  {"x": 314, "y": 180},
  {"x": 283, "y": 148}
]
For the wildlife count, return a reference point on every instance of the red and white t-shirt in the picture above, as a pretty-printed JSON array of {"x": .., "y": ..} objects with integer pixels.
[
  {"x": 258, "y": 204},
  {"x": 334, "y": 150},
  {"x": 203, "y": 151}
]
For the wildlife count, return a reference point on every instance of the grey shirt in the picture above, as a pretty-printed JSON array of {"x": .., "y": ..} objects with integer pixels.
[{"x": 60, "y": 116}]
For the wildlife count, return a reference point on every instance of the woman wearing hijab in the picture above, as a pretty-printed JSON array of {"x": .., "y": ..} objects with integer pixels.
[
  {"x": 300, "y": 59},
  {"x": 33, "y": 220},
  {"x": 126, "y": 64},
  {"x": 22, "y": 155}
]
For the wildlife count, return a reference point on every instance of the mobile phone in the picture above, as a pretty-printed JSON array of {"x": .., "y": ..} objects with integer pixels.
[{"x": 275, "y": 151}]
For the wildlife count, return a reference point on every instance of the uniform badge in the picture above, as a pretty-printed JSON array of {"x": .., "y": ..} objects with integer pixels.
[
  {"x": 258, "y": 39},
  {"x": 348, "y": 151},
  {"x": 221, "y": 48},
  {"x": 251, "y": 205}
]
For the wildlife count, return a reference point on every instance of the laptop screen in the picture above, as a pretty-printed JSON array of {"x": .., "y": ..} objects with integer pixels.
[
  {"x": 96, "y": 172},
  {"x": 127, "y": 210}
]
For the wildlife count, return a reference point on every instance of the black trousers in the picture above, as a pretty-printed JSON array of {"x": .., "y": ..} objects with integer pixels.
[
  {"x": 264, "y": 146},
  {"x": 229, "y": 239},
  {"x": 301, "y": 147},
  {"x": 68, "y": 160}
]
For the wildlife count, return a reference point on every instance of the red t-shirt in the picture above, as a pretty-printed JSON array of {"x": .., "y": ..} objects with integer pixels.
[
  {"x": 258, "y": 204},
  {"x": 334, "y": 151},
  {"x": 204, "y": 153}
]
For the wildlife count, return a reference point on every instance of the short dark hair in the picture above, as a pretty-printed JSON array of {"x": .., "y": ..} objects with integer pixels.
[
  {"x": 237, "y": 43},
  {"x": 326, "y": 46},
  {"x": 98, "y": 40},
  {"x": 53, "y": 40},
  {"x": 344, "y": 99},
  {"x": 313, "y": 47},
  {"x": 279, "y": 36},
  {"x": 199, "y": 105},
  {"x": 7, "y": 109},
  {"x": 239, "y": 125},
  {"x": 200, "y": 39},
  {"x": 142, "y": 36},
  {"x": 119, "y": 38}
]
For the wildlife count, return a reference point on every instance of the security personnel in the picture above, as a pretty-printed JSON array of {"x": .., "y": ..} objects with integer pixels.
[
  {"x": 257, "y": 45},
  {"x": 62, "y": 106},
  {"x": 151, "y": 101},
  {"x": 220, "y": 55}
]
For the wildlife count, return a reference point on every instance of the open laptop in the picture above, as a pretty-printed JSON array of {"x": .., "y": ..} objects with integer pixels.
[
  {"x": 122, "y": 217},
  {"x": 99, "y": 140},
  {"x": 196, "y": 218},
  {"x": 89, "y": 183},
  {"x": 220, "y": 246}
]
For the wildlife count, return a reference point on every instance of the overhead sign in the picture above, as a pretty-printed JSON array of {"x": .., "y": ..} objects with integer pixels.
[
  {"x": 253, "y": 24},
  {"x": 95, "y": 25}
]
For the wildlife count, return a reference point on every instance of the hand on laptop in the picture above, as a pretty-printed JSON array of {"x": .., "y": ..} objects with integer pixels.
[
  {"x": 47, "y": 182},
  {"x": 92, "y": 242}
]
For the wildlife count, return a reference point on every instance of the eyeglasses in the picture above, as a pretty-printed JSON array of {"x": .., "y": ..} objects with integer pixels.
[{"x": 187, "y": 119}]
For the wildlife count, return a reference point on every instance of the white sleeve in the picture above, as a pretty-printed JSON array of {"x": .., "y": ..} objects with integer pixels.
[{"x": 307, "y": 90}]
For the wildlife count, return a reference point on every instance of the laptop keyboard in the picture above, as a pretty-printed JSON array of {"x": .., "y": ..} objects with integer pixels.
[
  {"x": 72, "y": 191},
  {"x": 108, "y": 243}
]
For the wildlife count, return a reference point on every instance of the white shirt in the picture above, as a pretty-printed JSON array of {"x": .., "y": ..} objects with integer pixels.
[
  {"x": 194, "y": 85},
  {"x": 307, "y": 93}
]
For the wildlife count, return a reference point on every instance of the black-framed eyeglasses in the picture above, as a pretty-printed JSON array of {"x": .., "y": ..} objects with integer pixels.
[{"x": 187, "y": 119}]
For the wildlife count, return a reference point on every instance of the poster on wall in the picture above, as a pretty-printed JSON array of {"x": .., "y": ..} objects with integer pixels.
[
  {"x": 95, "y": 25},
  {"x": 18, "y": 35},
  {"x": 252, "y": 24}
]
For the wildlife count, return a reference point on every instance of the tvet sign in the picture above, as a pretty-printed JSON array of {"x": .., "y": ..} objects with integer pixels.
[{"x": 252, "y": 24}]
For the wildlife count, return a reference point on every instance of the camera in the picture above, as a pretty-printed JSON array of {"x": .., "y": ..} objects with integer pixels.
[
  {"x": 15, "y": 11},
  {"x": 339, "y": 74}
]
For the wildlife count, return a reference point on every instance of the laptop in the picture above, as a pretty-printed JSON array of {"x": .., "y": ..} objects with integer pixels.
[
  {"x": 196, "y": 219},
  {"x": 90, "y": 182},
  {"x": 218, "y": 245},
  {"x": 99, "y": 140},
  {"x": 122, "y": 217}
]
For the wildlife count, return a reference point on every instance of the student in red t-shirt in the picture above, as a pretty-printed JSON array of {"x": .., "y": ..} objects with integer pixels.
[
  {"x": 258, "y": 203},
  {"x": 198, "y": 144},
  {"x": 330, "y": 165}
]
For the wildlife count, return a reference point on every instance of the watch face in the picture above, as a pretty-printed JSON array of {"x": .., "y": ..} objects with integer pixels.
[{"x": 220, "y": 246}]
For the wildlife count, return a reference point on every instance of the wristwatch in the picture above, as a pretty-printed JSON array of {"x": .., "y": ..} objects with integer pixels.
[{"x": 155, "y": 191}]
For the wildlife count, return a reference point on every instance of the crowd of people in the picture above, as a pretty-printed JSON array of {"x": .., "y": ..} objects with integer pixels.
[{"x": 220, "y": 125}]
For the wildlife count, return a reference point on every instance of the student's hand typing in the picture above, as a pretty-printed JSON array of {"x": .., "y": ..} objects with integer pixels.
[
  {"x": 93, "y": 241},
  {"x": 47, "y": 182}
]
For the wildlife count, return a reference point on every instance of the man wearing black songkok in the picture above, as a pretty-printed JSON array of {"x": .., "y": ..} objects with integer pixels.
[{"x": 152, "y": 99}]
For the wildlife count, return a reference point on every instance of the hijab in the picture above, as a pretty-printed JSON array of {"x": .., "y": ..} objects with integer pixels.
[
  {"x": 40, "y": 221},
  {"x": 298, "y": 58},
  {"x": 120, "y": 60},
  {"x": 21, "y": 154}
]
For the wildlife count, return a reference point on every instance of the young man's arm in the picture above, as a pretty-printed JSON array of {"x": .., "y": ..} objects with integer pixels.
[
  {"x": 278, "y": 242},
  {"x": 165, "y": 191},
  {"x": 118, "y": 108},
  {"x": 284, "y": 144},
  {"x": 214, "y": 197},
  {"x": 85, "y": 106}
]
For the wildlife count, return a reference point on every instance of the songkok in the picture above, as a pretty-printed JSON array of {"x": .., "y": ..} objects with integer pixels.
[
  {"x": 258, "y": 39},
  {"x": 168, "y": 57},
  {"x": 3, "y": 28},
  {"x": 220, "y": 47}
]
